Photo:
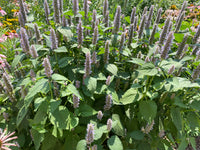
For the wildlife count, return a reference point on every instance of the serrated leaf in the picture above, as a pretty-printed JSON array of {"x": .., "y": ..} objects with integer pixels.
[
  {"x": 136, "y": 61},
  {"x": 112, "y": 69},
  {"x": 21, "y": 115},
  {"x": 118, "y": 128},
  {"x": 134, "y": 45},
  {"x": 148, "y": 69},
  {"x": 137, "y": 135},
  {"x": 81, "y": 145},
  {"x": 73, "y": 90},
  {"x": 37, "y": 138},
  {"x": 91, "y": 84},
  {"x": 86, "y": 111},
  {"x": 114, "y": 143},
  {"x": 129, "y": 96},
  {"x": 194, "y": 121},
  {"x": 148, "y": 110},
  {"x": 63, "y": 62},
  {"x": 58, "y": 77},
  {"x": 17, "y": 59},
  {"x": 66, "y": 32},
  {"x": 62, "y": 49},
  {"x": 60, "y": 117},
  {"x": 176, "y": 118}
]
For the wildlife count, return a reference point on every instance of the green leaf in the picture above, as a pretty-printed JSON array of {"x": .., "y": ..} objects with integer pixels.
[
  {"x": 91, "y": 84},
  {"x": 114, "y": 143},
  {"x": 194, "y": 121},
  {"x": 58, "y": 77},
  {"x": 148, "y": 110},
  {"x": 134, "y": 45},
  {"x": 195, "y": 105},
  {"x": 54, "y": 105},
  {"x": 38, "y": 101},
  {"x": 60, "y": 117},
  {"x": 66, "y": 32},
  {"x": 62, "y": 49},
  {"x": 21, "y": 115},
  {"x": 63, "y": 62},
  {"x": 176, "y": 118},
  {"x": 85, "y": 50},
  {"x": 37, "y": 138},
  {"x": 137, "y": 135},
  {"x": 148, "y": 69},
  {"x": 81, "y": 145},
  {"x": 40, "y": 85},
  {"x": 129, "y": 96},
  {"x": 99, "y": 131},
  {"x": 86, "y": 111},
  {"x": 30, "y": 18},
  {"x": 112, "y": 69},
  {"x": 118, "y": 128},
  {"x": 73, "y": 90},
  {"x": 17, "y": 59},
  {"x": 136, "y": 61}
]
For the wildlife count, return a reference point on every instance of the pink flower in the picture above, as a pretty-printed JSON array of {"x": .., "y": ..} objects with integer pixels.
[
  {"x": 1, "y": 40},
  {"x": 5, "y": 138},
  {"x": 2, "y": 12},
  {"x": 2, "y": 56},
  {"x": 1, "y": 24}
]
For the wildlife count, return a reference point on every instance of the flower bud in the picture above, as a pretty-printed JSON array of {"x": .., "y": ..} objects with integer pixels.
[
  {"x": 54, "y": 40},
  {"x": 75, "y": 101},
  {"x": 171, "y": 70},
  {"x": 108, "y": 104},
  {"x": 86, "y": 8},
  {"x": 78, "y": 84},
  {"x": 87, "y": 65},
  {"x": 37, "y": 34},
  {"x": 99, "y": 115},
  {"x": 32, "y": 75},
  {"x": 90, "y": 133},
  {"x": 158, "y": 16},
  {"x": 106, "y": 53},
  {"x": 164, "y": 31},
  {"x": 141, "y": 27},
  {"x": 167, "y": 45},
  {"x": 47, "y": 67},
  {"x": 117, "y": 20},
  {"x": 109, "y": 124},
  {"x": 22, "y": 10},
  {"x": 133, "y": 15},
  {"x": 33, "y": 52},
  {"x": 108, "y": 80},
  {"x": 148, "y": 23},
  {"x": 80, "y": 33},
  {"x": 105, "y": 7},
  {"x": 151, "y": 38},
  {"x": 94, "y": 57},
  {"x": 24, "y": 41},
  {"x": 47, "y": 11},
  {"x": 56, "y": 7},
  {"x": 95, "y": 36},
  {"x": 7, "y": 83}
]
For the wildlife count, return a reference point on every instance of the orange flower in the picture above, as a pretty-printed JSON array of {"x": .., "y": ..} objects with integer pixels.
[
  {"x": 13, "y": 31},
  {"x": 173, "y": 7}
]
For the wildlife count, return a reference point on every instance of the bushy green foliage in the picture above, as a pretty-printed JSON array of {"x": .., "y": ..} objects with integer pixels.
[{"x": 60, "y": 79}]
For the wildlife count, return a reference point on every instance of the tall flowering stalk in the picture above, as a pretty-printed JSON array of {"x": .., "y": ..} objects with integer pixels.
[
  {"x": 196, "y": 36},
  {"x": 109, "y": 124},
  {"x": 135, "y": 25},
  {"x": 22, "y": 10},
  {"x": 5, "y": 138},
  {"x": 86, "y": 8},
  {"x": 171, "y": 70},
  {"x": 164, "y": 31},
  {"x": 21, "y": 20},
  {"x": 170, "y": 27},
  {"x": 158, "y": 16},
  {"x": 32, "y": 75},
  {"x": 90, "y": 133},
  {"x": 47, "y": 67},
  {"x": 80, "y": 33},
  {"x": 178, "y": 25},
  {"x": 106, "y": 53},
  {"x": 61, "y": 6},
  {"x": 37, "y": 34},
  {"x": 108, "y": 80},
  {"x": 64, "y": 21},
  {"x": 75, "y": 7},
  {"x": 117, "y": 20},
  {"x": 144, "y": 11},
  {"x": 105, "y": 7},
  {"x": 151, "y": 38},
  {"x": 87, "y": 65},
  {"x": 195, "y": 49},
  {"x": 94, "y": 19},
  {"x": 133, "y": 15},
  {"x": 141, "y": 28},
  {"x": 196, "y": 73},
  {"x": 131, "y": 30},
  {"x": 182, "y": 10},
  {"x": 167, "y": 45},
  {"x": 33, "y": 52},
  {"x": 106, "y": 19},
  {"x": 53, "y": 38},
  {"x": 75, "y": 101},
  {"x": 95, "y": 36},
  {"x": 47, "y": 11},
  {"x": 56, "y": 7},
  {"x": 181, "y": 46},
  {"x": 94, "y": 57},
  {"x": 108, "y": 104},
  {"x": 99, "y": 115},
  {"x": 123, "y": 37},
  {"x": 7, "y": 83},
  {"x": 24, "y": 40},
  {"x": 148, "y": 22}
]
